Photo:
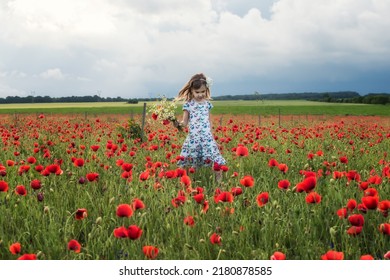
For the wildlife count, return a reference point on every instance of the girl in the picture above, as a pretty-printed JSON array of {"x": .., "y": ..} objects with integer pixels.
[{"x": 199, "y": 148}]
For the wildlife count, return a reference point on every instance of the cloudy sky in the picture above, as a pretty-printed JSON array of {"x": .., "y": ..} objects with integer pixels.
[{"x": 146, "y": 48}]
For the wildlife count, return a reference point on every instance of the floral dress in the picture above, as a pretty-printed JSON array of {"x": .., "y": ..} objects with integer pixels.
[{"x": 199, "y": 148}]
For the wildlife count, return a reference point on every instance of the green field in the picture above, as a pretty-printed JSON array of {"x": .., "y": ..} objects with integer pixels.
[{"x": 273, "y": 107}]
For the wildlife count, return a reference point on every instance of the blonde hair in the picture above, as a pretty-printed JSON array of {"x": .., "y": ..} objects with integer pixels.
[{"x": 196, "y": 82}]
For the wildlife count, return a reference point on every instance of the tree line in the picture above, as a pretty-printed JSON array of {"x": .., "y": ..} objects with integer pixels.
[{"x": 338, "y": 97}]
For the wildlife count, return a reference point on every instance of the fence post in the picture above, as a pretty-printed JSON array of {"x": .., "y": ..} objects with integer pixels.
[
  {"x": 259, "y": 119},
  {"x": 279, "y": 117},
  {"x": 143, "y": 122}
]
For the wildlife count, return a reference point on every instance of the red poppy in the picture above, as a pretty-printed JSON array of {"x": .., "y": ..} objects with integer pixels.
[
  {"x": 333, "y": 255},
  {"x": 205, "y": 207},
  {"x": 343, "y": 159},
  {"x": 224, "y": 197},
  {"x": 342, "y": 213},
  {"x": 28, "y": 257},
  {"x": 199, "y": 197},
  {"x": 367, "y": 257},
  {"x": 273, "y": 162},
  {"x": 370, "y": 192},
  {"x": 78, "y": 162},
  {"x": 178, "y": 201},
  {"x": 284, "y": 184},
  {"x": 15, "y": 248},
  {"x": 81, "y": 213},
  {"x": 242, "y": 151},
  {"x": 337, "y": 174},
  {"x": 262, "y": 199},
  {"x": 354, "y": 230},
  {"x": 215, "y": 239},
  {"x": 74, "y": 245},
  {"x": 384, "y": 228},
  {"x": 370, "y": 202},
  {"x": 236, "y": 191},
  {"x": 134, "y": 232},
  {"x": 383, "y": 207},
  {"x": 124, "y": 210},
  {"x": 351, "y": 204},
  {"x": 36, "y": 184},
  {"x": 3, "y": 186},
  {"x": 247, "y": 181},
  {"x": 54, "y": 169},
  {"x": 189, "y": 221},
  {"x": 154, "y": 116},
  {"x": 278, "y": 256},
  {"x": 138, "y": 204},
  {"x": 21, "y": 190},
  {"x": 31, "y": 160},
  {"x": 309, "y": 183},
  {"x": 95, "y": 147},
  {"x": 121, "y": 232},
  {"x": 185, "y": 180},
  {"x": 150, "y": 252},
  {"x": 313, "y": 197},
  {"x": 283, "y": 167},
  {"x": 144, "y": 176},
  {"x": 356, "y": 220},
  {"x": 353, "y": 175},
  {"x": 387, "y": 255},
  {"x": 91, "y": 177}
]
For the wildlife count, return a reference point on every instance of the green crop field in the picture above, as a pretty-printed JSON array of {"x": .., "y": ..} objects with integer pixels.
[{"x": 273, "y": 107}]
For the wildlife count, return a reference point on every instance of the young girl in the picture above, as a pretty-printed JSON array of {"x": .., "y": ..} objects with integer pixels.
[{"x": 199, "y": 148}]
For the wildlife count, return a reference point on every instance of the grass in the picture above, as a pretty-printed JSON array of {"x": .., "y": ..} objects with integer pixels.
[{"x": 274, "y": 107}]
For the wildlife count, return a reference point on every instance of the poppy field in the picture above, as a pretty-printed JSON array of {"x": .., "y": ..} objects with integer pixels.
[{"x": 85, "y": 188}]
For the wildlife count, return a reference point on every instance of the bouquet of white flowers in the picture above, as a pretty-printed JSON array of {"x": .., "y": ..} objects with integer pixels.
[{"x": 164, "y": 111}]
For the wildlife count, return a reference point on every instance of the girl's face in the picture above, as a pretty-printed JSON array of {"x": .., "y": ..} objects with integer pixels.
[{"x": 199, "y": 94}]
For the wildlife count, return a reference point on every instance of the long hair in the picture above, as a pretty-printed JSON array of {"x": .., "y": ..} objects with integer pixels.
[{"x": 195, "y": 83}]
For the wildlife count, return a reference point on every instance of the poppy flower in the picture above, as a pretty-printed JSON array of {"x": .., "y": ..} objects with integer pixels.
[
  {"x": 370, "y": 192},
  {"x": 199, "y": 197},
  {"x": 309, "y": 183},
  {"x": 387, "y": 255},
  {"x": 21, "y": 190},
  {"x": 242, "y": 151},
  {"x": 189, "y": 221},
  {"x": 383, "y": 207},
  {"x": 134, "y": 232},
  {"x": 121, "y": 232},
  {"x": 144, "y": 176},
  {"x": 205, "y": 207},
  {"x": 284, "y": 184},
  {"x": 313, "y": 197},
  {"x": 273, "y": 162},
  {"x": 356, "y": 220},
  {"x": 224, "y": 197},
  {"x": 354, "y": 230},
  {"x": 247, "y": 181},
  {"x": 185, "y": 180},
  {"x": 15, "y": 248},
  {"x": 367, "y": 257},
  {"x": 3, "y": 186},
  {"x": 36, "y": 184},
  {"x": 215, "y": 239},
  {"x": 81, "y": 213},
  {"x": 351, "y": 204},
  {"x": 278, "y": 256},
  {"x": 150, "y": 252},
  {"x": 343, "y": 160},
  {"x": 78, "y": 162},
  {"x": 384, "y": 228},
  {"x": 353, "y": 175},
  {"x": 236, "y": 191},
  {"x": 74, "y": 245},
  {"x": 127, "y": 167},
  {"x": 28, "y": 257},
  {"x": 370, "y": 202},
  {"x": 138, "y": 204},
  {"x": 333, "y": 255},
  {"x": 31, "y": 160},
  {"x": 283, "y": 167},
  {"x": 124, "y": 210},
  {"x": 91, "y": 177},
  {"x": 342, "y": 213},
  {"x": 95, "y": 148},
  {"x": 262, "y": 199}
]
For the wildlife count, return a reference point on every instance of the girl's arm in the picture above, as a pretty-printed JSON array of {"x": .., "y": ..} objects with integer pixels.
[{"x": 186, "y": 116}]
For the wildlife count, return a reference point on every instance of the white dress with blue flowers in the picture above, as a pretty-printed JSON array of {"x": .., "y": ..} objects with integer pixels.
[{"x": 199, "y": 148}]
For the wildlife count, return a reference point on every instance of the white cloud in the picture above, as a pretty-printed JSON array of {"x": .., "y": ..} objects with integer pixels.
[
  {"x": 137, "y": 48},
  {"x": 54, "y": 73}
]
